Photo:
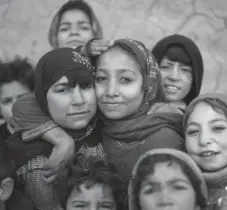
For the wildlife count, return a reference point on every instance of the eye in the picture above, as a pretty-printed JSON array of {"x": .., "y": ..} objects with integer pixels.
[
  {"x": 125, "y": 80},
  {"x": 179, "y": 187},
  {"x": 7, "y": 101},
  {"x": 218, "y": 128},
  {"x": 86, "y": 86},
  {"x": 63, "y": 28},
  {"x": 100, "y": 79},
  {"x": 80, "y": 206},
  {"x": 192, "y": 132},
  {"x": 106, "y": 206},
  {"x": 186, "y": 69},
  {"x": 86, "y": 28}
]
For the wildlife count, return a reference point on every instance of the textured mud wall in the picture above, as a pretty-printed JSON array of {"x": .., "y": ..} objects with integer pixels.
[{"x": 24, "y": 25}]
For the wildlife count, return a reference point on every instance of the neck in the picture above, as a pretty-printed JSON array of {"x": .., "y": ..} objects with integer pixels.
[
  {"x": 2, "y": 206},
  {"x": 216, "y": 179}
]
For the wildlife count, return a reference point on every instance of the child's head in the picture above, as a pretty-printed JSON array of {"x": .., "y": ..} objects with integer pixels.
[
  {"x": 74, "y": 24},
  {"x": 6, "y": 175},
  {"x": 16, "y": 80},
  {"x": 166, "y": 179},
  {"x": 96, "y": 187},
  {"x": 181, "y": 67},
  {"x": 64, "y": 88},
  {"x": 205, "y": 127},
  {"x": 127, "y": 80}
]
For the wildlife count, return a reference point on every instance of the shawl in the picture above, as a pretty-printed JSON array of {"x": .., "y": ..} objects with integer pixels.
[
  {"x": 192, "y": 51},
  {"x": 140, "y": 130}
]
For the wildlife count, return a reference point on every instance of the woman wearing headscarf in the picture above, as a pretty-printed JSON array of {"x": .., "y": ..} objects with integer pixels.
[
  {"x": 181, "y": 68},
  {"x": 64, "y": 91}
]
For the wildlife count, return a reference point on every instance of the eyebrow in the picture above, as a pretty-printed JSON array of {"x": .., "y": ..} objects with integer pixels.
[
  {"x": 169, "y": 182},
  {"x": 68, "y": 23},
  {"x": 212, "y": 121},
  {"x": 119, "y": 70}
]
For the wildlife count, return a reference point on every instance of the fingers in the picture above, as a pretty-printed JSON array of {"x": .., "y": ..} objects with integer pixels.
[{"x": 99, "y": 46}]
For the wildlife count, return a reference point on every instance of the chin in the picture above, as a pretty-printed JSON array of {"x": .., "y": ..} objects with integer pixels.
[{"x": 78, "y": 125}]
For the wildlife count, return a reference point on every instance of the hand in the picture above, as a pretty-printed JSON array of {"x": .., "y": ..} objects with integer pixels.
[
  {"x": 96, "y": 47},
  {"x": 61, "y": 157}
]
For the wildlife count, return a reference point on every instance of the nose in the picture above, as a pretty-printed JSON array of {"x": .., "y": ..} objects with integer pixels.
[
  {"x": 112, "y": 89},
  {"x": 74, "y": 30},
  {"x": 174, "y": 73},
  {"x": 164, "y": 198},
  {"x": 205, "y": 138},
  {"x": 77, "y": 96}
]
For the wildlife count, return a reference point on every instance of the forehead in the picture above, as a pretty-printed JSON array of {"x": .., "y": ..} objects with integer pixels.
[
  {"x": 166, "y": 60},
  {"x": 12, "y": 89},
  {"x": 166, "y": 171},
  {"x": 203, "y": 112},
  {"x": 96, "y": 192},
  {"x": 74, "y": 15},
  {"x": 116, "y": 58}
]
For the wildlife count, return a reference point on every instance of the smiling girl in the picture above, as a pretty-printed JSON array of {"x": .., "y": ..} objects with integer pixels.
[{"x": 206, "y": 132}]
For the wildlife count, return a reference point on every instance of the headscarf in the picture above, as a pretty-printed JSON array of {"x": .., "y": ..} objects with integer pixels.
[
  {"x": 195, "y": 175},
  {"x": 74, "y": 4},
  {"x": 125, "y": 139},
  {"x": 139, "y": 125},
  {"x": 191, "y": 49}
]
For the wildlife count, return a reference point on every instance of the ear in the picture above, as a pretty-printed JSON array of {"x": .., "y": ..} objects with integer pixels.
[{"x": 6, "y": 188}]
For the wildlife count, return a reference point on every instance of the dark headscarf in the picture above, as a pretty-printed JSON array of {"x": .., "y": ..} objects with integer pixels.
[
  {"x": 189, "y": 49},
  {"x": 136, "y": 130}
]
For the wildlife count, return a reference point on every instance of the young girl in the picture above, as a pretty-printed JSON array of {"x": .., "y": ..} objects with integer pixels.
[
  {"x": 65, "y": 92},
  {"x": 205, "y": 126},
  {"x": 94, "y": 185},
  {"x": 166, "y": 179}
]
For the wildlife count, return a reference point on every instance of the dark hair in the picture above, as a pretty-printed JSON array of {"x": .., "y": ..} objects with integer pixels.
[
  {"x": 147, "y": 166},
  {"x": 215, "y": 103},
  {"x": 73, "y": 4},
  {"x": 96, "y": 172},
  {"x": 7, "y": 166},
  {"x": 19, "y": 69}
]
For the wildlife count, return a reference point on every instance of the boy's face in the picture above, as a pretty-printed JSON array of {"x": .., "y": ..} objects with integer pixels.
[
  {"x": 9, "y": 93},
  {"x": 98, "y": 197},
  {"x": 176, "y": 79},
  {"x": 167, "y": 188},
  {"x": 206, "y": 134}
]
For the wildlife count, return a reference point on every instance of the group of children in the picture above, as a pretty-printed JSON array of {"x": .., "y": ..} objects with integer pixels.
[{"x": 110, "y": 124}]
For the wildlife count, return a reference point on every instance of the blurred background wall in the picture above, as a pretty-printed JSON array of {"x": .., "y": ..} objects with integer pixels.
[{"x": 24, "y": 25}]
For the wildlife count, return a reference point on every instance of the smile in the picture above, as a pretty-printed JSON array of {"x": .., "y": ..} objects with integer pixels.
[
  {"x": 171, "y": 88},
  {"x": 77, "y": 113},
  {"x": 208, "y": 154}
]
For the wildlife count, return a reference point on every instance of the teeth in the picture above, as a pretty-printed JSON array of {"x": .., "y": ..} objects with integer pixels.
[
  {"x": 207, "y": 154},
  {"x": 172, "y": 87}
]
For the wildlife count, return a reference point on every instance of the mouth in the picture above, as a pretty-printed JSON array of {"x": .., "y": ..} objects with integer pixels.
[
  {"x": 112, "y": 104},
  {"x": 207, "y": 154},
  {"x": 171, "y": 88},
  {"x": 77, "y": 113},
  {"x": 75, "y": 42}
]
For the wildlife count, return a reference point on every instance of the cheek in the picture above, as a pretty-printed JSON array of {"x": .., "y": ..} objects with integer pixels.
[
  {"x": 146, "y": 202},
  {"x": 99, "y": 90},
  {"x": 6, "y": 110},
  {"x": 90, "y": 97}
]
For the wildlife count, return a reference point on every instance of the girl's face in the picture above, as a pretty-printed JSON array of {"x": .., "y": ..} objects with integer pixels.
[
  {"x": 118, "y": 84},
  {"x": 176, "y": 79},
  {"x": 74, "y": 29},
  {"x": 9, "y": 93},
  {"x": 71, "y": 107},
  {"x": 167, "y": 188},
  {"x": 206, "y": 134},
  {"x": 98, "y": 197}
]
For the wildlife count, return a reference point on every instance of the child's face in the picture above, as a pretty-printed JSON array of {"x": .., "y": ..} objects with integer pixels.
[
  {"x": 176, "y": 79},
  {"x": 74, "y": 29},
  {"x": 9, "y": 93},
  {"x": 98, "y": 197},
  {"x": 118, "y": 84},
  {"x": 167, "y": 188},
  {"x": 206, "y": 137},
  {"x": 71, "y": 107}
]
